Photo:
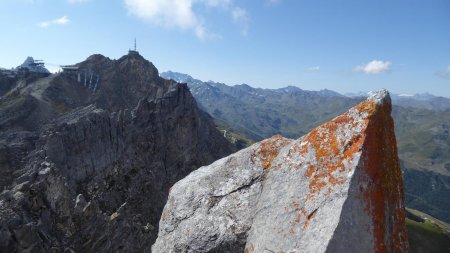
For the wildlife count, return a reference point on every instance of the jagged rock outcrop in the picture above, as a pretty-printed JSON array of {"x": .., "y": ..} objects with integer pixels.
[
  {"x": 336, "y": 189},
  {"x": 111, "y": 85},
  {"x": 97, "y": 177}
]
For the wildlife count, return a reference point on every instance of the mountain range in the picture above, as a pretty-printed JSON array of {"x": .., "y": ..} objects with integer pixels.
[
  {"x": 418, "y": 100},
  {"x": 88, "y": 156}
]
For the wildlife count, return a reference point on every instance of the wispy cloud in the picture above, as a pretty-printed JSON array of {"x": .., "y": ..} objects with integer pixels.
[
  {"x": 59, "y": 21},
  {"x": 240, "y": 17},
  {"x": 313, "y": 69},
  {"x": 184, "y": 14},
  {"x": 76, "y": 1},
  {"x": 374, "y": 67},
  {"x": 445, "y": 73}
]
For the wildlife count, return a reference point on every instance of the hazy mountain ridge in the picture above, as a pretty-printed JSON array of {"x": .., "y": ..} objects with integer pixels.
[
  {"x": 259, "y": 113},
  {"x": 419, "y": 100},
  {"x": 422, "y": 134}
]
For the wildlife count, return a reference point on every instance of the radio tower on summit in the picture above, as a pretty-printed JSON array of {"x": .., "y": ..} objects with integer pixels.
[{"x": 134, "y": 50}]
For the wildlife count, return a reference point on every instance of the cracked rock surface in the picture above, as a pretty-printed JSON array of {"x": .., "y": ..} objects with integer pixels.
[
  {"x": 337, "y": 189},
  {"x": 95, "y": 176}
]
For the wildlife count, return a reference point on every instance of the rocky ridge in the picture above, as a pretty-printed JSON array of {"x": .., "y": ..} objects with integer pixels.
[
  {"x": 336, "y": 189},
  {"x": 93, "y": 175}
]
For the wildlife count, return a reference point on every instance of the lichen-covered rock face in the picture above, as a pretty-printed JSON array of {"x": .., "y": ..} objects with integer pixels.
[{"x": 337, "y": 189}]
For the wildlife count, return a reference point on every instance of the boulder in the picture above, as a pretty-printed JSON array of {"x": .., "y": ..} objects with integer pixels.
[{"x": 337, "y": 189}]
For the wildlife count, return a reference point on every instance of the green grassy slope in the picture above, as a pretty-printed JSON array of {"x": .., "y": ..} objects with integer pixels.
[
  {"x": 427, "y": 234},
  {"x": 423, "y": 139}
]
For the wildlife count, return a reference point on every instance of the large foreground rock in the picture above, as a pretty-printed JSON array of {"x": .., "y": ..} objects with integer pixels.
[{"x": 337, "y": 189}]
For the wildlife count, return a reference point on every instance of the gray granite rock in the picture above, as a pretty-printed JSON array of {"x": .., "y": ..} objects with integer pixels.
[{"x": 337, "y": 189}]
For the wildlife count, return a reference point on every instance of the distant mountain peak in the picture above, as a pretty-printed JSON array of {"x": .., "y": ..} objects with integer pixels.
[
  {"x": 178, "y": 74},
  {"x": 290, "y": 88},
  {"x": 180, "y": 78},
  {"x": 97, "y": 57},
  {"x": 34, "y": 65},
  {"x": 196, "y": 83}
]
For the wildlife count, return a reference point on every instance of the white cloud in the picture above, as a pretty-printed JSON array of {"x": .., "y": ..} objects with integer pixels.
[
  {"x": 59, "y": 21},
  {"x": 62, "y": 21},
  {"x": 445, "y": 73},
  {"x": 54, "y": 69},
  {"x": 240, "y": 17},
  {"x": 181, "y": 14},
  {"x": 374, "y": 67},
  {"x": 313, "y": 69}
]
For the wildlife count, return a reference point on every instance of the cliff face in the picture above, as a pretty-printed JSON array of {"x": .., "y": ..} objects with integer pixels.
[
  {"x": 337, "y": 189},
  {"x": 96, "y": 178}
]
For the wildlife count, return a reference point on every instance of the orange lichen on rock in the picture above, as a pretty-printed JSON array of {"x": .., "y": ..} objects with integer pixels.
[
  {"x": 331, "y": 151},
  {"x": 340, "y": 181},
  {"x": 250, "y": 249},
  {"x": 299, "y": 213},
  {"x": 269, "y": 150},
  {"x": 306, "y": 219},
  {"x": 310, "y": 171},
  {"x": 384, "y": 192},
  {"x": 376, "y": 142}
]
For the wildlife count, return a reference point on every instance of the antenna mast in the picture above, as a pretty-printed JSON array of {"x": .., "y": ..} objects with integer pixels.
[{"x": 134, "y": 50}]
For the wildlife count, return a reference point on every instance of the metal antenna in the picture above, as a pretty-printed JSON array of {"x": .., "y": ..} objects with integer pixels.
[{"x": 135, "y": 44}]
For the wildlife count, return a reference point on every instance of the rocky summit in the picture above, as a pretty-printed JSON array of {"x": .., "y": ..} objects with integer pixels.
[
  {"x": 337, "y": 189},
  {"x": 87, "y": 156}
]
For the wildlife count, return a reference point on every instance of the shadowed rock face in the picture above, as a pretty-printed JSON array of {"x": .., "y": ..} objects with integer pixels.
[
  {"x": 337, "y": 189},
  {"x": 96, "y": 178}
]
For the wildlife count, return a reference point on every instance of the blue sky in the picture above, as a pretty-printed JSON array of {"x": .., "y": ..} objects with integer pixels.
[{"x": 343, "y": 45}]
